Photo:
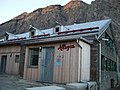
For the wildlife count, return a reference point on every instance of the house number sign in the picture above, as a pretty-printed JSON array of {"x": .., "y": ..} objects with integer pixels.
[{"x": 64, "y": 46}]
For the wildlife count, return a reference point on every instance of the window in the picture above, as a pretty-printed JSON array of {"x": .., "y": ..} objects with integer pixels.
[
  {"x": 108, "y": 64},
  {"x": 103, "y": 63},
  {"x": 32, "y": 33},
  {"x": 16, "y": 58},
  {"x": 7, "y": 37},
  {"x": 57, "y": 29},
  {"x": 110, "y": 42},
  {"x": 33, "y": 56},
  {"x": 114, "y": 66}
]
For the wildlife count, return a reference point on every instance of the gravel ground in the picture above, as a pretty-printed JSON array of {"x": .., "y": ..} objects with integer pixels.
[
  {"x": 11, "y": 82},
  {"x": 116, "y": 88}
]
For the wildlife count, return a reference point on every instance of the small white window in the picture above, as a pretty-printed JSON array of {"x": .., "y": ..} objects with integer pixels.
[
  {"x": 57, "y": 29},
  {"x": 17, "y": 58},
  {"x": 32, "y": 33},
  {"x": 6, "y": 35}
]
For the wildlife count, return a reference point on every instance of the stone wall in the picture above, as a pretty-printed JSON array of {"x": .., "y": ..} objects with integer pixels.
[
  {"x": 93, "y": 64},
  {"x": 106, "y": 79}
]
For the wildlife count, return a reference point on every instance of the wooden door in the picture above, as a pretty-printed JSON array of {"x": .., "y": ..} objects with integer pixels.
[
  {"x": 3, "y": 63},
  {"x": 47, "y": 64}
]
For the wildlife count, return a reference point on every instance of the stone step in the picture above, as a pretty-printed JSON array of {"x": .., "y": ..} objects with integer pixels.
[
  {"x": 82, "y": 86},
  {"x": 46, "y": 88},
  {"x": 76, "y": 86}
]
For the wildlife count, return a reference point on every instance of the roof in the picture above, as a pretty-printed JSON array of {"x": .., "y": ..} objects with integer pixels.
[
  {"x": 80, "y": 26},
  {"x": 69, "y": 37},
  {"x": 68, "y": 32}
]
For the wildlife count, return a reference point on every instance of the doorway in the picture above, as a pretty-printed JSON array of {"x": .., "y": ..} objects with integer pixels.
[
  {"x": 47, "y": 64},
  {"x": 3, "y": 63}
]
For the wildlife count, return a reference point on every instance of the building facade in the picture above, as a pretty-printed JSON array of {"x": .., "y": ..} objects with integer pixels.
[
  {"x": 57, "y": 62},
  {"x": 9, "y": 59},
  {"x": 105, "y": 59},
  {"x": 64, "y": 54}
]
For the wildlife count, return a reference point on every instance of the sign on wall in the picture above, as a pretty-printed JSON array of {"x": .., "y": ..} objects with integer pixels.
[{"x": 67, "y": 47}]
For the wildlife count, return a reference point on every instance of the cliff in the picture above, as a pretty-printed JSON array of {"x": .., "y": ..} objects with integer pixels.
[{"x": 74, "y": 11}]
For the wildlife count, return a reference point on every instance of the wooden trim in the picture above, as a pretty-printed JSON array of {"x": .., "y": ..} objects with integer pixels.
[
  {"x": 30, "y": 66},
  {"x": 8, "y": 52}
]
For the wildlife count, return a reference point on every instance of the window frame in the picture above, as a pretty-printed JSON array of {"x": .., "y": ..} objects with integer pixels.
[
  {"x": 31, "y": 55},
  {"x": 18, "y": 58},
  {"x": 57, "y": 29},
  {"x": 109, "y": 43},
  {"x": 108, "y": 64},
  {"x": 32, "y": 33}
]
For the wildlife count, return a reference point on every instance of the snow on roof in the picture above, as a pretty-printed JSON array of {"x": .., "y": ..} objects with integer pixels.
[
  {"x": 96, "y": 25},
  {"x": 99, "y": 24},
  {"x": 23, "y": 35},
  {"x": 1, "y": 40},
  {"x": 46, "y": 31},
  {"x": 17, "y": 36}
]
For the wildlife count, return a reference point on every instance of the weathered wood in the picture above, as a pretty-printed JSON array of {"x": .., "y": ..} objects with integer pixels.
[
  {"x": 66, "y": 62},
  {"x": 10, "y": 51},
  {"x": 22, "y": 60}
]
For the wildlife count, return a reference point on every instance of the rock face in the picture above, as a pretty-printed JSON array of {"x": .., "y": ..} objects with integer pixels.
[
  {"x": 74, "y": 11},
  {"x": 47, "y": 17}
]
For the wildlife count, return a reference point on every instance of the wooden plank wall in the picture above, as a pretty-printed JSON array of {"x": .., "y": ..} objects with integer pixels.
[
  {"x": 65, "y": 64},
  {"x": 30, "y": 73},
  {"x": 10, "y": 51},
  {"x": 85, "y": 61},
  {"x": 33, "y": 74}
]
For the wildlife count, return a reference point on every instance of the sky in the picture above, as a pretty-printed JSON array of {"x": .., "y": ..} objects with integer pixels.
[{"x": 12, "y": 8}]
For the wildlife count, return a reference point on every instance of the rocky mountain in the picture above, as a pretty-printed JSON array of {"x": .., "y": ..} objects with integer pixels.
[{"x": 74, "y": 11}]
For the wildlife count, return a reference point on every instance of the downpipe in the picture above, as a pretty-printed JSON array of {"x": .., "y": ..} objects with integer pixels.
[
  {"x": 99, "y": 58},
  {"x": 99, "y": 64}
]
